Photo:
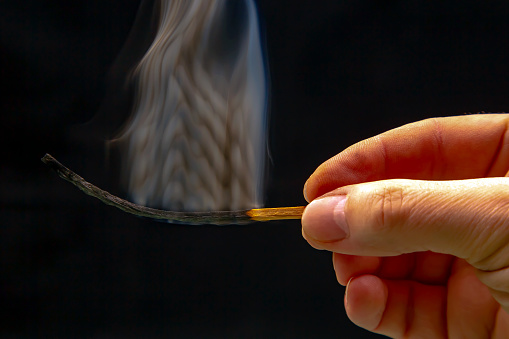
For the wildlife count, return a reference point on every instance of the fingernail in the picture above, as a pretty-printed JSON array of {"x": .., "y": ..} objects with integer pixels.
[
  {"x": 304, "y": 191},
  {"x": 346, "y": 291},
  {"x": 324, "y": 218}
]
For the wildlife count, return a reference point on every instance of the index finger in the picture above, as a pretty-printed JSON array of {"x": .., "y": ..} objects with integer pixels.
[{"x": 463, "y": 147}]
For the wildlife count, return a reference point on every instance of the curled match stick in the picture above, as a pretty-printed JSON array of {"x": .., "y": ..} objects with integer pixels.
[{"x": 214, "y": 217}]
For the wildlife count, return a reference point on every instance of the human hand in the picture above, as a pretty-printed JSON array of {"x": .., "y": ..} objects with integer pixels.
[{"x": 426, "y": 257}]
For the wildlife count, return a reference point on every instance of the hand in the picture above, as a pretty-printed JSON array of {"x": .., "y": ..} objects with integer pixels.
[{"x": 426, "y": 257}]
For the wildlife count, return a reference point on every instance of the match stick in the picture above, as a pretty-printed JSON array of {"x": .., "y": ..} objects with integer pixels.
[
  {"x": 197, "y": 218},
  {"x": 276, "y": 213}
]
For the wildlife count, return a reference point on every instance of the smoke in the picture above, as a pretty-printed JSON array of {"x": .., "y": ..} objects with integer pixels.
[{"x": 196, "y": 140}]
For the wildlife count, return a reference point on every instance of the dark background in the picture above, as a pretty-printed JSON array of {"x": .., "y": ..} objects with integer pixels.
[{"x": 341, "y": 71}]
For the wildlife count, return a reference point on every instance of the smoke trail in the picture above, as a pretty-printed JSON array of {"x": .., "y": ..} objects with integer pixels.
[{"x": 197, "y": 137}]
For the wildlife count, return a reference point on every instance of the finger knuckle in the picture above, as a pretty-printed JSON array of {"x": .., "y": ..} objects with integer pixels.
[{"x": 388, "y": 207}]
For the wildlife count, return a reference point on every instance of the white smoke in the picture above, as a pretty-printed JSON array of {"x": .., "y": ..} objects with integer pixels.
[{"x": 197, "y": 137}]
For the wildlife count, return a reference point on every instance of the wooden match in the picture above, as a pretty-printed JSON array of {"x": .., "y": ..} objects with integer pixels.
[{"x": 196, "y": 218}]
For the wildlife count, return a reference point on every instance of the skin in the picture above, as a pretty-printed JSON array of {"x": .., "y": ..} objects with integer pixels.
[{"x": 424, "y": 251}]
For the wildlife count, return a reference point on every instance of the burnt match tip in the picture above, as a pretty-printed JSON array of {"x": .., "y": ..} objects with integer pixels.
[
  {"x": 46, "y": 158},
  {"x": 52, "y": 162}
]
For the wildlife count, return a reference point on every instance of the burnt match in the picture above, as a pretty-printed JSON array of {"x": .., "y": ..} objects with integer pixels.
[{"x": 197, "y": 218}]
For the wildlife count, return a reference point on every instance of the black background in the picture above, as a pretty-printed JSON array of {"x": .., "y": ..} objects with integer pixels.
[{"x": 341, "y": 71}]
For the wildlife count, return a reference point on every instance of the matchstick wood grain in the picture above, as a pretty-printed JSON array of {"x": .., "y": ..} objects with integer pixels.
[
  {"x": 278, "y": 213},
  {"x": 196, "y": 218}
]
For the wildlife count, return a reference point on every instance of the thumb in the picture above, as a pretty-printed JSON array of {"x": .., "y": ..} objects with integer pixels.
[{"x": 466, "y": 218}]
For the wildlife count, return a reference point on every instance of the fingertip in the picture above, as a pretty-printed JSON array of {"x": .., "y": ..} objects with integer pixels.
[
  {"x": 312, "y": 242},
  {"x": 323, "y": 219},
  {"x": 365, "y": 301},
  {"x": 348, "y": 266}
]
